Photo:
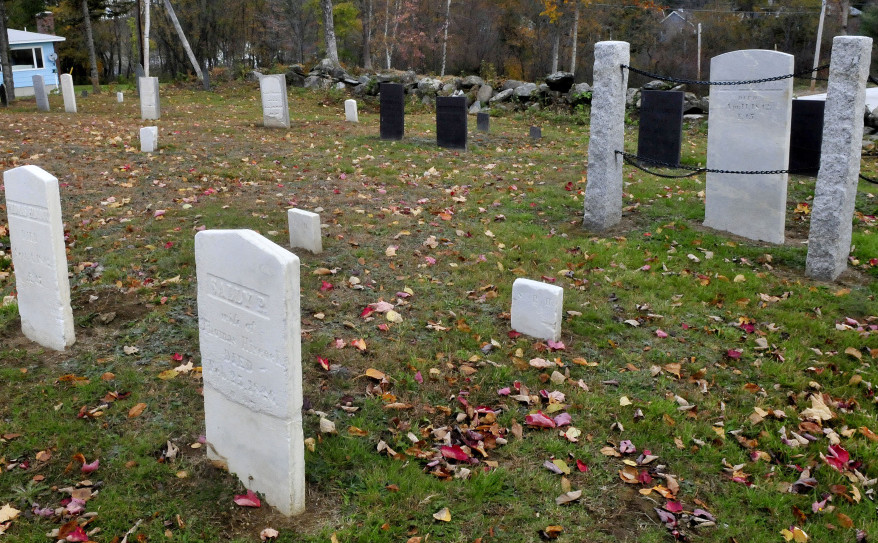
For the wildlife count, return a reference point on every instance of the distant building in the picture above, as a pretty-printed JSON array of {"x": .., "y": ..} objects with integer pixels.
[
  {"x": 676, "y": 22},
  {"x": 32, "y": 54}
]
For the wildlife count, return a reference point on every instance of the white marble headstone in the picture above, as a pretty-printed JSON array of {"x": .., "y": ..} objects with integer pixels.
[
  {"x": 350, "y": 111},
  {"x": 150, "y": 105},
  {"x": 749, "y": 130},
  {"x": 120, "y": 97},
  {"x": 304, "y": 230},
  {"x": 149, "y": 139},
  {"x": 250, "y": 333},
  {"x": 68, "y": 92},
  {"x": 36, "y": 233},
  {"x": 275, "y": 108},
  {"x": 40, "y": 93},
  {"x": 537, "y": 309}
]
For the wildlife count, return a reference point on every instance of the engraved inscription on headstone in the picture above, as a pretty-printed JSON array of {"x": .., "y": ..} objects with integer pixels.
[
  {"x": 250, "y": 333},
  {"x": 483, "y": 122},
  {"x": 275, "y": 107},
  {"x": 350, "y": 111},
  {"x": 806, "y": 136},
  {"x": 536, "y": 309},
  {"x": 451, "y": 122},
  {"x": 40, "y": 93},
  {"x": 392, "y": 111},
  {"x": 36, "y": 233},
  {"x": 661, "y": 126},
  {"x": 150, "y": 107},
  {"x": 749, "y": 129},
  {"x": 68, "y": 92}
]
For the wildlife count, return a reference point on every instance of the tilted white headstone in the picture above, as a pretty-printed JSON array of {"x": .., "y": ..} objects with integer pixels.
[
  {"x": 250, "y": 334},
  {"x": 829, "y": 241},
  {"x": 275, "y": 108},
  {"x": 149, "y": 139},
  {"x": 304, "y": 230},
  {"x": 537, "y": 309},
  {"x": 749, "y": 130},
  {"x": 68, "y": 92},
  {"x": 150, "y": 106},
  {"x": 603, "y": 190},
  {"x": 36, "y": 233},
  {"x": 120, "y": 97},
  {"x": 40, "y": 93},
  {"x": 350, "y": 111}
]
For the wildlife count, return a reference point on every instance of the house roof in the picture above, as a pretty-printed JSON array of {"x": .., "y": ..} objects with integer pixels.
[{"x": 17, "y": 37}]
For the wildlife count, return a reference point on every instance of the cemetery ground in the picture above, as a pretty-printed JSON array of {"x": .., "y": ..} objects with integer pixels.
[{"x": 703, "y": 389}]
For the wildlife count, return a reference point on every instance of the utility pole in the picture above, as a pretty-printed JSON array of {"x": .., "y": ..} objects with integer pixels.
[{"x": 817, "y": 48}]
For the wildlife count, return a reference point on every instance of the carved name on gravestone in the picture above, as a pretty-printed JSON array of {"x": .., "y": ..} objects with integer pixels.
[
  {"x": 149, "y": 139},
  {"x": 150, "y": 106},
  {"x": 536, "y": 132},
  {"x": 451, "y": 122},
  {"x": 392, "y": 111},
  {"x": 749, "y": 129},
  {"x": 304, "y": 230},
  {"x": 40, "y": 93},
  {"x": 483, "y": 122},
  {"x": 536, "y": 309},
  {"x": 250, "y": 333},
  {"x": 68, "y": 93},
  {"x": 36, "y": 233},
  {"x": 661, "y": 126},
  {"x": 350, "y": 111},
  {"x": 806, "y": 136},
  {"x": 275, "y": 106}
]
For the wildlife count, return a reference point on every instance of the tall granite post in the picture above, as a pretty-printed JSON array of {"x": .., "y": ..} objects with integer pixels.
[
  {"x": 68, "y": 93},
  {"x": 829, "y": 240},
  {"x": 603, "y": 191},
  {"x": 40, "y": 93}
]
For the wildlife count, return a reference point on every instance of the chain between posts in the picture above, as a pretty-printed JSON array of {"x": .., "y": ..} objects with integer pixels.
[{"x": 721, "y": 83}]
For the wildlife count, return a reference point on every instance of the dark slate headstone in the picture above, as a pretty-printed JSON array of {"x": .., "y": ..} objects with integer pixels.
[
  {"x": 536, "y": 132},
  {"x": 483, "y": 122},
  {"x": 392, "y": 96},
  {"x": 661, "y": 126},
  {"x": 451, "y": 122},
  {"x": 138, "y": 73},
  {"x": 806, "y": 136},
  {"x": 85, "y": 94},
  {"x": 3, "y": 99}
]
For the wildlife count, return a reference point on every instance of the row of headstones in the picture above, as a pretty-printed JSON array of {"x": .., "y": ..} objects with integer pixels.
[
  {"x": 41, "y": 94},
  {"x": 249, "y": 321},
  {"x": 748, "y": 130}
]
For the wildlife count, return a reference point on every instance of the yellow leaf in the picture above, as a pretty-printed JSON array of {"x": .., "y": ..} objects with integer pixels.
[
  {"x": 136, "y": 410},
  {"x": 623, "y": 401},
  {"x": 359, "y": 432},
  {"x": 562, "y": 465},
  {"x": 7, "y": 513},
  {"x": 854, "y": 352},
  {"x": 444, "y": 515},
  {"x": 375, "y": 374},
  {"x": 168, "y": 374},
  {"x": 393, "y": 316}
]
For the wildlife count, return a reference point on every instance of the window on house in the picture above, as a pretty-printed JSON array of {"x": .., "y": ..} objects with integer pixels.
[{"x": 27, "y": 59}]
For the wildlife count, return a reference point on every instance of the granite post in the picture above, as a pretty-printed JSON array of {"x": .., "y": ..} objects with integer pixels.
[
  {"x": 40, "y": 93},
  {"x": 68, "y": 92},
  {"x": 603, "y": 190},
  {"x": 150, "y": 106},
  {"x": 829, "y": 240}
]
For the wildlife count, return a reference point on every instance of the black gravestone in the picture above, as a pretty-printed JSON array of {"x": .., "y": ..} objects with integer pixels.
[
  {"x": 483, "y": 122},
  {"x": 536, "y": 132},
  {"x": 392, "y": 111},
  {"x": 85, "y": 94},
  {"x": 138, "y": 73},
  {"x": 3, "y": 100},
  {"x": 806, "y": 136},
  {"x": 451, "y": 122},
  {"x": 661, "y": 126}
]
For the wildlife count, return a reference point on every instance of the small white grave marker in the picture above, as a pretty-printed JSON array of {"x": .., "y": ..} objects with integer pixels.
[
  {"x": 149, "y": 139},
  {"x": 120, "y": 97},
  {"x": 536, "y": 309},
  {"x": 350, "y": 111},
  {"x": 68, "y": 92},
  {"x": 36, "y": 233},
  {"x": 275, "y": 107},
  {"x": 304, "y": 230},
  {"x": 250, "y": 333}
]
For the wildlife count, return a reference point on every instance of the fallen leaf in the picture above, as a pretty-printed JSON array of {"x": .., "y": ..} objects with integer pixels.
[
  {"x": 375, "y": 374},
  {"x": 327, "y": 426},
  {"x": 136, "y": 410},
  {"x": 568, "y": 497},
  {"x": 268, "y": 533},
  {"x": 7, "y": 513},
  {"x": 250, "y": 499},
  {"x": 443, "y": 514}
]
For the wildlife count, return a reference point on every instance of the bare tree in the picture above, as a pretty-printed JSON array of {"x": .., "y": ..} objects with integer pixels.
[
  {"x": 367, "y": 34},
  {"x": 90, "y": 44},
  {"x": 5, "y": 65},
  {"x": 329, "y": 31},
  {"x": 574, "y": 37},
  {"x": 445, "y": 35}
]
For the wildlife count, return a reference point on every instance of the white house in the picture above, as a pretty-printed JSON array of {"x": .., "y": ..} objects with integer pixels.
[{"x": 32, "y": 54}]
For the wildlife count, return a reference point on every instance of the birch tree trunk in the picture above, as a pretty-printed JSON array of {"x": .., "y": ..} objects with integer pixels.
[
  {"x": 395, "y": 28},
  {"x": 844, "y": 10},
  {"x": 183, "y": 39},
  {"x": 146, "y": 37},
  {"x": 90, "y": 44},
  {"x": 556, "y": 43},
  {"x": 367, "y": 35},
  {"x": 574, "y": 38},
  {"x": 5, "y": 65},
  {"x": 445, "y": 36},
  {"x": 329, "y": 31},
  {"x": 387, "y": 32}
]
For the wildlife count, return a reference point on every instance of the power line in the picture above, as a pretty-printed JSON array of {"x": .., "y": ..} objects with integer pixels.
[{"x": 727, "y": 12}]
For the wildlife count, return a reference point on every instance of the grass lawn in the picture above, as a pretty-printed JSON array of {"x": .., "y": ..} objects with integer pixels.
[{"x": 714, "y": 392}]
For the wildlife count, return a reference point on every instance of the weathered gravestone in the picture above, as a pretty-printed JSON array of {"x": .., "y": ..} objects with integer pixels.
[
  {"x": 749, "y": 129},
  {"x": 40, "y": 93},
  {"x": 451, "y": 122},
  {"x": 250, "y": 333},
  {"x": 120, "y": 97},
  {"x": 392, "y": 119},
  {"x": 483, "y": 122},
  {"x": 350, "y": 111},
  {"x": 68, "y": 93},
  {"x": 806, "y": 136},
  {"x": 661, "y": 126},
  {"x": 536, "y": 309},
  {"x": 275, "y": 107},
  {"x": 536, "y": 132},
  {"x": 4, "y": 101},
  {"x": 150, "y": 107},
  {"x": 304, "y": 229},
  {"x": 205, "y": 74},
  {"x": 138, "y": 73},
  {"x": 36, "y": 233},
  {"x": 149, "y": 139},
  {"x": 829, "y": 240},
  {"x": 84, "y": 93}
]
